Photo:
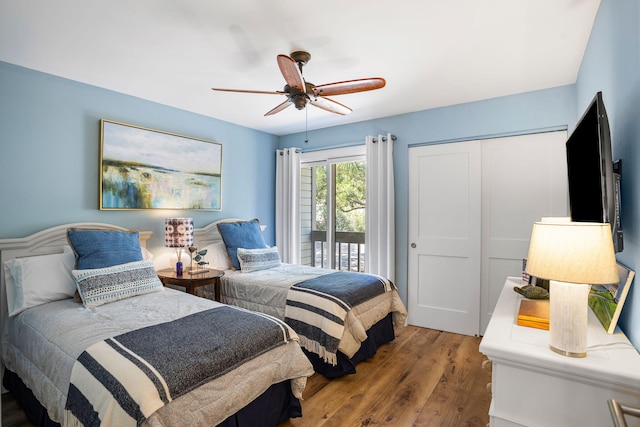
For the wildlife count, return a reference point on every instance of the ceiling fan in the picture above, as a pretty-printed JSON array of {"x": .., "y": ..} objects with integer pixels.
[{"x": 300, "y": 92}]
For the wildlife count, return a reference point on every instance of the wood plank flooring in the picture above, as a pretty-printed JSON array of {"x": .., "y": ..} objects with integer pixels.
[{"x": 423, "y": 378}]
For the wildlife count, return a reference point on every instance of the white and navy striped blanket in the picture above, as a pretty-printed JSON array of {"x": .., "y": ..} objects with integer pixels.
[
  {"x": 123, "y": 380},
  {"x": 317, "y": 308}
]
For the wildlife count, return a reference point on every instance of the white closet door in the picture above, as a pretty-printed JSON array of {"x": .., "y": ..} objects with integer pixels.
[
  {"x": 523, "y": 179},
  {"x": 444, "y": 237},
  {"x": 471, "y": 209}
]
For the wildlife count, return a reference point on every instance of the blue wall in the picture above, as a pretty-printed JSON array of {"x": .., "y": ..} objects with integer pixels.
[
  {"x": 50, "y": 142},
  {"x": 611, "y": 64}
]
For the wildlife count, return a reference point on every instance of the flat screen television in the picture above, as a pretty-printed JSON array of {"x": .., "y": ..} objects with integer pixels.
[{"x": 594, "y": 179}]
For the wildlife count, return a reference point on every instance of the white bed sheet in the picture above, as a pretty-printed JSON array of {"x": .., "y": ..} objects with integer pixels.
[
  {"x": 266, "y": 291},
  {"x": 42, "y": 343}
]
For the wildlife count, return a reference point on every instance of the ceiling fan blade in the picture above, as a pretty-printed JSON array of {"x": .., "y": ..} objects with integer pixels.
[
  {"x": 349, "y": 86},
  {"x": 291, "y": 72},
  {"x": 279, "y": 108},
  {"x": 277, "y": 92},
  {"x": 330, "y": 105}
]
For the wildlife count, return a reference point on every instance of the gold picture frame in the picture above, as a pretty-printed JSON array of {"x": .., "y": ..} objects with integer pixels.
[{"x": 143, "y": 168}]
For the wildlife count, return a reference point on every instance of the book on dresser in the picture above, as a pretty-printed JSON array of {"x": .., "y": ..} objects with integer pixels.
[{"x": 534, "y": 313}]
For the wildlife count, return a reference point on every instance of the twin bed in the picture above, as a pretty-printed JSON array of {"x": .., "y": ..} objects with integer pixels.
[
  {"x": 302, "y": 296},
  {"x": 53, "y": 347},
  {"x": 133, "y": 352}
]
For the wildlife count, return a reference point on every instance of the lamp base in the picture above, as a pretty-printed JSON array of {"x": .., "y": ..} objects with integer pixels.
[
  {"x": 568, "y": 312},
  {"x": 567, "y": 353}
]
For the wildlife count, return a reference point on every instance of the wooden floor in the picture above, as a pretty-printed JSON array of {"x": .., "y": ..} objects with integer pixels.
[{"x": 423, "y": 378}]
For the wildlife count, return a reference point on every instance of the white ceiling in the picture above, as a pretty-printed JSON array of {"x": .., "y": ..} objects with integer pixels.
[{"x": 432, "y": 53}]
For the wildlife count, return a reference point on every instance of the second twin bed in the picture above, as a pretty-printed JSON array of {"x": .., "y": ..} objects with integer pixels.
[{"x": 341, "y": 317}]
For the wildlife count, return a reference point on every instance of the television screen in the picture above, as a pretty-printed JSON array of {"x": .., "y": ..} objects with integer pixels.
[{"x": 593, "y": 182}]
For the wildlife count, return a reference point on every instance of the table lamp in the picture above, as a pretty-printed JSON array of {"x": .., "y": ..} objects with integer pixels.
[
  {"x": 573, "y": 256},
  {"x": 178, "y": 234}
]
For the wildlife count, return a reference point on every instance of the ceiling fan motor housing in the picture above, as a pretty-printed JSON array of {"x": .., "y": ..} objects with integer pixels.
[{"x": 297, "y": 97}]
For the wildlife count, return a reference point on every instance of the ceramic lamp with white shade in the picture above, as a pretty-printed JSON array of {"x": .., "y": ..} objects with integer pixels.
[{"x": 573, "y": 256}]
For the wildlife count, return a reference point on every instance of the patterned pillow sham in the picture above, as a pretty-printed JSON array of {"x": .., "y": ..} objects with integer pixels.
[
  {"x": 104, "y": 285},
  {"x": 103, "y": 248},
  {"x": 258, "y": 259},
  {"x": 241, "y": 234}
]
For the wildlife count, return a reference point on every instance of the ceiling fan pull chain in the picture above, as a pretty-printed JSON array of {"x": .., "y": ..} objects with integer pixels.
[{"x": 306, "y": 126}]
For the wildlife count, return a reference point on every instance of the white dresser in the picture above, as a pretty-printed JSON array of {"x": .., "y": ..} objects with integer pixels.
[{"x": 533, "y": 386}]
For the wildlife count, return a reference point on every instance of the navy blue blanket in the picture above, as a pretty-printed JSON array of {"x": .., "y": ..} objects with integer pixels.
[
  {"x": 317, "y": 308},
  {"x": 125, "y": 379}
]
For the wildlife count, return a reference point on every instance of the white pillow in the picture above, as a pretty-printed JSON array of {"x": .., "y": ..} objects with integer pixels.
[
  {"x": 145, "y": 253},
  {"x": 38, "y": 279},
  {"x": 217, "y": 256}
]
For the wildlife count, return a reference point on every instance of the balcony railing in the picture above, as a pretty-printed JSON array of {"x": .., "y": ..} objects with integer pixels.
[{"x": 349, "y": 251}]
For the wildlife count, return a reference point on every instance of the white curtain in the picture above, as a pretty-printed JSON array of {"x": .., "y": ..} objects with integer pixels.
[
  {"x": 380, "y": 210},
  {"x": 287, "y": 204}
]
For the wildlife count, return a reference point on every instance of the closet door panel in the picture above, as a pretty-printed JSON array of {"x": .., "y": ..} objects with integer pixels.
[
  {"x": 444, "y": 237},
  {"x": 523, "y": 179}
]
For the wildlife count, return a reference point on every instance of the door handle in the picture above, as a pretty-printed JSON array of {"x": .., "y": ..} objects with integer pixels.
[{"x": 413, "y": 245}]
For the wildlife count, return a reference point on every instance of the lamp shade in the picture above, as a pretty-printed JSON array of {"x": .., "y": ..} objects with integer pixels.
[
  {"x": 576, "y": 252},
  {"x": 178, "y": 232}
]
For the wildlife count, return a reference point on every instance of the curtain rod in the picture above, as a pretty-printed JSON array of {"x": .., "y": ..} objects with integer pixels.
[
  {"x": 282, "y": 150},
  {"x": 309, "y": 150},
  {"x": 384, "y": 138}
]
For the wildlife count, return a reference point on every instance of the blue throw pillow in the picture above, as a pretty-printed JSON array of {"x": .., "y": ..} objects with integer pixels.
[
  {"x": 103, "y": 248},
  {"x": 243, "y": 234}
]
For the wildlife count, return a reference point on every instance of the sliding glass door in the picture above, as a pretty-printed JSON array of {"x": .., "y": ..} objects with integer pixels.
[{"x": 332, "y": 208}]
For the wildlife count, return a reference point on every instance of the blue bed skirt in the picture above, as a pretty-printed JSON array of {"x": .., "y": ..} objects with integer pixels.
[
  {"x": 276, "y": 405},
  {"x": 379, "y": 334}
]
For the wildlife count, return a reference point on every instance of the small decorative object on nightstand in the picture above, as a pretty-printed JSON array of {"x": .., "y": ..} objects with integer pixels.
[
  {"x": 190, "y": 283},
  {"x": 198, "y": 257}
]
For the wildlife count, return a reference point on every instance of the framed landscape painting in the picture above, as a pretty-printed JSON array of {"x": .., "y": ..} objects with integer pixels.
[
  {"x": 607, "y": 301},
  {"x": 149, "y": 169}
]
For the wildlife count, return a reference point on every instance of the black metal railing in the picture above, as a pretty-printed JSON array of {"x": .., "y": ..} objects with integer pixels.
[{"x": 349, "y": 251}]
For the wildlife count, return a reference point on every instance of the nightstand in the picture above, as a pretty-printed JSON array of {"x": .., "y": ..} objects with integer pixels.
[{"x": 192, "y": 281}]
